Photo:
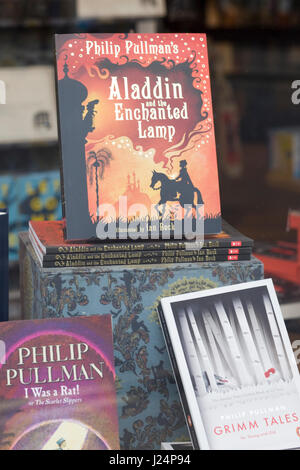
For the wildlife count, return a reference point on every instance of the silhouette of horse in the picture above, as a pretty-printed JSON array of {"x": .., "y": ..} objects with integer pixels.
[{"x": 169, "y": 190}]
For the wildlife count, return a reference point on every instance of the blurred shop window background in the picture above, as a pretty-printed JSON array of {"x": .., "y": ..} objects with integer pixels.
[{"x": 254, "y": 51}]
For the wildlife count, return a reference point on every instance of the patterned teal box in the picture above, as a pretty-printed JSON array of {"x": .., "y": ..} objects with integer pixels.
[{"x": 149, "y": 407}]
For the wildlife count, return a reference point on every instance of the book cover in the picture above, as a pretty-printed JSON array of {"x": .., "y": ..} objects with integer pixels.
[
  {"x": 57, "y": 385},
  {"x": 49, "y": 237},
  {"x": 137, "y": 136},
  {"x": 284, "y": 152},
  {"x": 30, "y": 196},
  {"x": 234, "y": 367}
]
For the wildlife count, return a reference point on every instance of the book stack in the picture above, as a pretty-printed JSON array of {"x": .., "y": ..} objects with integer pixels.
[
  {"x": 135, "y": 196},
  {"x": 139, "y": 174},
  {"x": 53, "y": 251}
]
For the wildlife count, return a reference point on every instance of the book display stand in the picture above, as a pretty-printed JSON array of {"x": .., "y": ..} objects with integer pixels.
[{"x": 145, "y": 321}]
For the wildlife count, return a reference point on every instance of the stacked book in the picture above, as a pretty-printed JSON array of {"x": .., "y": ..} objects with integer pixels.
[
  {"x": 155, "y": 177},
  {"x": 52, "y": 250}
]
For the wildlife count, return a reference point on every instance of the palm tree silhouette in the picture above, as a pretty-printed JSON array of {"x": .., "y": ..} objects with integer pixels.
[{"x": 96, "y": 164}]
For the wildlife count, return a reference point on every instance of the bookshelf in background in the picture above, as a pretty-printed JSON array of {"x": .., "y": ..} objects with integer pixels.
[{"x": 29, "y": 176}]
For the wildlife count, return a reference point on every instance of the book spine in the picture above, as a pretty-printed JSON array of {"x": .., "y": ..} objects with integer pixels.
[
  {"x": 145, "y": 254},
  {"x": 144, "y": 261},
  {"x": 134, "y": 246},
  {"x": 177, "y": 376}
]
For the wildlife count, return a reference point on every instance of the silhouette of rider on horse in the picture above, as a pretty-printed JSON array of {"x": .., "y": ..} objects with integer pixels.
[
  {"x": 181, "y": 185},
  {"x": 183, "y": 177}
]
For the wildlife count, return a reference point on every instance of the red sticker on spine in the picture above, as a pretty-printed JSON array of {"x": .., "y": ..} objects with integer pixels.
[{"x": 236, "y": 243}]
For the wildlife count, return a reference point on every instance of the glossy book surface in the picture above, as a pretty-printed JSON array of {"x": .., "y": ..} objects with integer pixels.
[
  {"x": 57, "y": 385},
  {"x": 137, "y": 134}
]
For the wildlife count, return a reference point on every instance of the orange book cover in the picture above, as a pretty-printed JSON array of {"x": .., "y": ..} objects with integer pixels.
[{"x": 137, "y": 135}]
